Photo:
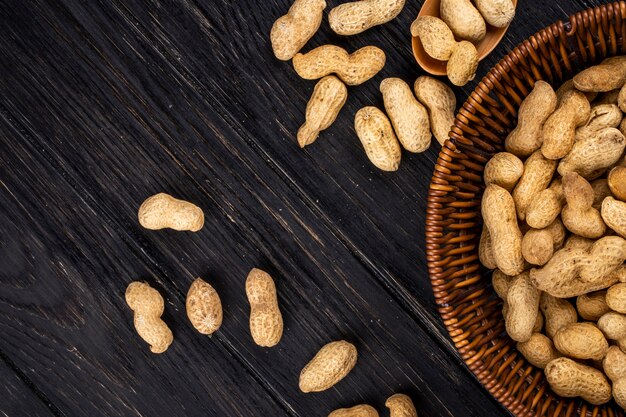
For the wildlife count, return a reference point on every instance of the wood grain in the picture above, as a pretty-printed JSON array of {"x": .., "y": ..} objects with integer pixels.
[{"x": 104, "y": 103}]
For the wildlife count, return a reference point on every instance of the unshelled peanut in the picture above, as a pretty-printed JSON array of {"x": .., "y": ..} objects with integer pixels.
[
  {"x": 568, "y": 378},
  {"x": 400, "y": 405},
  {"x": 164, "y": 211},
  {"x": 440, "y": 101},
  {"x": 148, "y": 306},
  {"x": 329, "y": 96},
  {"x": 293, "y": 30},
  {"x": 204, "y": 307},
  {"x": 329, "y": 366},
  {"x": 361, "y": 410},
  {"x": 266, "y": 320},
  {"x": 358, "y": 16},
  {"x": 376, "y": 135}
]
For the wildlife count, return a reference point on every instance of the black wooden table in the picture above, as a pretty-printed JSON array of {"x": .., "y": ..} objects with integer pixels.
[{"x": 105, "y": 102}]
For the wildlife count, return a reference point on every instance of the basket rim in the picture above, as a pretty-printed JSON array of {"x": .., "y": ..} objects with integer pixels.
[{"x": 439, "y": 187}]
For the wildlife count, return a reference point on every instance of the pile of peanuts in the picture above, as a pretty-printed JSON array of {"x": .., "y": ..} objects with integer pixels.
[
  {"x": 460, "y": 19},
  {"x": 331, "y": 364},
  {"x": 554, "y": 212},
  {"x": 410, "y": 118}
]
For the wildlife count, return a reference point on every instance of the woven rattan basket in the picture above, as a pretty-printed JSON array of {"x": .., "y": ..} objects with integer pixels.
[{"x": 466, "y": 301}]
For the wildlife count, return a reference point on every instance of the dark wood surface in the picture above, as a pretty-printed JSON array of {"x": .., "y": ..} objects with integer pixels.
[{"x": 103, "y": 103}]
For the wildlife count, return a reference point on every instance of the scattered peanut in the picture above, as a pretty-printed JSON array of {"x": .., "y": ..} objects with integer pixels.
[
  {"x": 440, "y": 101},
  {"x": 204, "y": 307},
  {"x": 148, "y": 306},
  {"x": 376, "y": 134},
  {"x": 266, "y": 321},
  {"x": 463, "y": 62},
  {"x": 358, "y": 16},
  {"x": 293, "y": 30},
  {"x": 408, "y": 116},
  {"x": 352, "y": 69},
  {"x": 164, "y": 211},
  {"x": 361, "y": 410},
  {"x": 329, "y": 96},
  {"x": 330, "y": 365},
  {"x": 400, "y": 405}
]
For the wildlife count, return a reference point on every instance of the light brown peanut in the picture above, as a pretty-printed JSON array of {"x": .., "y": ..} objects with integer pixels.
[
  {"x": 601, "y": 116},
  {"x": 557, "y": 313},
  {"x": 358, "y": 16},
  {"x": 616, "y": 297},
  {"x": 400, "y": 405},
  {"x": 361, "y": 410},
  {"x": 266, "y": 321},
  {"x": 330, "y": 365},
  {"x": 592, "y": 306},
  {"x": 607, "y": 76},
  {"x": 523, "y": 307},
  {"x": 148, "y": 306},
  {"x": 503, "y": 169},
  {"x": 538, "y": 245},
  {"x": 204, "y": 307},
  {"x": 501, "y": 283},
  {"x": 560, "y": 128},
  {"x": 376, "y": 134},
  {"x": 546, "y": 206},
  {"x": 408, "y": 116},
  {"x": 164, "y": 211},
  {"x": 600, "y": 192},
  {"x": 352, "y": 69},
  {"x": 538, "y": 172},
  {"x": 614, "y": 365},
  {"x": 610, "y": 97},
  {"x": 538, "y": 350},
  {"x": 578, "y": 214},
  {"x": 590, "y": 157},
  {"x": 329, "y": 96},
  {"x": 605, "y": 256},
  {"x": 616, "y": 182},
  {"x": 498, "y": 13},
  {"x": 613, "y": 325},
  {"x": 440, "y": 101},
  {"x": 435, "y": 35},
  {"x": 463, "y": 62},
  {"x": 293, "y": 30},
  {"x": 498, "y": 209},
  {"x": 568, "y": 378},
  {"x": 485, "y": 250},
  {"x": 526, "y": 138},
  {"x": 464, "y": 19},
  {"x": 614, "y": 215},
  {"x": 581, "y": 341}
]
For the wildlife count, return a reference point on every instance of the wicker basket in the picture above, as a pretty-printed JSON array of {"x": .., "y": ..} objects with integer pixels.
[{"x": 466, "y": 301}]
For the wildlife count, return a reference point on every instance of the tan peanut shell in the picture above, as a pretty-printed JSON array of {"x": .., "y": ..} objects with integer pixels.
[
  {"x": 148, "y": 306},
  {"x": 358, "y": 16},
  {"x": 591, "y": 156},
  {"x": 616, "y": 182},
  {"x": 578, "y": 214},
  {"x": 463, "y": 62},
  {"x": 569, "y": 86},
  {"x": 613, "y": 325},
  {"x": 376, "y": 134},
  {"x": 400, "y": 405},
  {"x": 559, "y": 130},
  {"x": 592, "y": 306},
  {"x": 204, "y": 307},
  {"x": 614, "y": 215},
  {"x": 440, "y": 101},
  {"x": 435, "y": 35},
  {"x": 601, "y": 191},
  {"x": 616, "y": 297},
  {"x": 526, "y": 138},
  {"x": 608, "y": 75},
  {"x": 544, "y": 209},
  {"x": 557, "y": 313},
  {"x": 329, "y": 96},
  {"x": 164, "y": 211},
  {"x": 578, "y": 242},
  {"x": 601, "y": 116},
  {"x": 499, "y": 215},
  {"x": 330, "y": 365},
  {"x": 538, "y": 245},
  {"x": 408, "y": 116},
  {"x": 498, "y": 13},
  {"x": 501, "y": 283},
  {"x": 503, "y": 169},
  {"x": 352, "y": 69},
  {"x": 581, "y": 341},
  {"x": 621, "y": 99},
  {"x": 293, "y": 30},
  {"x": 361, "y": 410},
  {"x": 266, "y": 321},
  {"x": 538, "y": 172},
  {"x": 614, "y": 363},
  {"x": 538, "y": 350},
  {"x": 568, "y": 378},
  {"x": 523, "y": 307},
  {"x": 485, "y": 250},
  {"x": 464, "y": 19},
  {"x": 610, "y": 97},
  {"x": 619, "y": 392},
  {"x": 605, "y": 256}
]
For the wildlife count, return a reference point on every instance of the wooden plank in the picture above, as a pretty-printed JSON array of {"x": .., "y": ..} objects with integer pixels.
[
  {"x": 18, "y": 399},
  {"x": 112, "y": 140}
]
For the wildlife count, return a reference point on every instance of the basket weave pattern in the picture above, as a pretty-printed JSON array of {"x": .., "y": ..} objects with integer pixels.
[{"x": 467, "y": 303}]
